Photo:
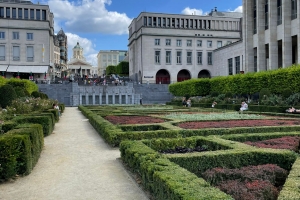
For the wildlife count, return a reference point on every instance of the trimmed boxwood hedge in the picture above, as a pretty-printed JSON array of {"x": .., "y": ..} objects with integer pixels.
[
  {"x": 20, "y": 150},
  {"x": 163, "y": 177}
]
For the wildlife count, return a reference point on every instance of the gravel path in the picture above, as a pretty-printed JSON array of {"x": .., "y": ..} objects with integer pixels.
[{"x": 75, "y": 164}]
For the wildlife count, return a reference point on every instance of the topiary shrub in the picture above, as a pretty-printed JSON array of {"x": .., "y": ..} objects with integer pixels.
[
  {"x": 286, "y": 93},
  {"x": 35, "y": 94},
  {"x": 264, "y": 93},
  {"x": 214, "y": 94},
  {"x": 228, "y": 95},
  {"x": 10, "y": 95},
  {"x": 293, "y": 100}
]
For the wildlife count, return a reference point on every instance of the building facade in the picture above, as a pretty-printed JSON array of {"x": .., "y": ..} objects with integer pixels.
[
  {"x": 166, "y": 48},
  {"x": 107, "y": 58},
  {"x": 26, "y": 39},
  {"x": 78, "y": 66}
]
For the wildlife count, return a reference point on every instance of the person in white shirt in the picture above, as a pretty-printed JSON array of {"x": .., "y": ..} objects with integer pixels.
[{"x": 244, "y": 106}]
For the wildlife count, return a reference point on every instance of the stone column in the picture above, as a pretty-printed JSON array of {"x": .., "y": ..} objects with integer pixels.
[
  {"x": 273, "y": 43},
  {"x": 80, "y": 99},
  {"x": 248, "y": 35},
  {"x": 287, "y": 39},
  {"x": 132, "y": 96},
  {"x": 298, "y": 35},
  {"x": 87, "y": 98},
  {"x": 261, "y": 50},
  {"x": 120, "y": 98},
  {"x": 106, "y": 96},
  {"x": 126, "y": 98},
  {"x": 113, "y": 98},
  {"x": 100, "y": 98},
  {"x": 93, "y": 98}
]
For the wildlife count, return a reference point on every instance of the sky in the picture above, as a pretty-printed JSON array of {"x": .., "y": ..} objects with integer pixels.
[{"x": 103, "y": 24}]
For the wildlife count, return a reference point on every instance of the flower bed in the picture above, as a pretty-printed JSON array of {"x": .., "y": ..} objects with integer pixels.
[
  {"x": 288, "y": 142},
  {"x": 238, "y": 123},
  {"x": 133, "y": 119},
  {"x": 252, "y": 182}
]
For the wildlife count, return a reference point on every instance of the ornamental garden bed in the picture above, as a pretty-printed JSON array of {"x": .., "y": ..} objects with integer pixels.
[
  {"x": 133, "y": 119},
  {"x": 288, "y": 142},
  {"x": 237, "y": 123},
  {"x": 143, "y": 128}
]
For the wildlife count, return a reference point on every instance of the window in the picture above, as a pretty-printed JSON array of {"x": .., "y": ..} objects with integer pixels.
[
  {"x": 32, "y": 14},
  {"x": 1, "y": 12},
  {"x": 164, "y": 22},
  {"x": 199, "y": 58},
  {"x": 16, "y": 53},
  {"x": 168, "y": 57},
  {"x": 199, "y": 43},
  {"x": 149, "y": 21},
  {"x": 26, "y": 13},
  {"x": 279, "y": 12},
  {"x": 2, "y": 52},
  {"x": 189, "y": 43},
  {"x": 29, "y": 53},
  {"x": 44, "y": 15},
  {"x": 109, "y": 58},
  {"x": 294, "y": 9},
  {"x": 178, "y": 43},
  {"x": 157, "y": 57},
  {"x": 266, "y": 14},
  {"x": 104, "y": 57},
  {"x": 7, "y": 12},
  {"x": 38, "y": 14},
  {"x": 219, "y": 44},
  {"x": 16, "y": 35},
  {"x": 20, "y": 13},
  {"x": 157, "y": 42},
  {"x": 237, "y": 65},
  {"x": 159, "y": 21},
  {"x": 230, "y": 66},
  {"x": 254, "y": 17},
  {"x": 189, "y": 57},
  {"x": 209, "y": 44},
  {"x": 14, "y": 13},
  {"x": 178, "y": 56},
  {"x": 209, "y": 58},
  {"x": 168, "y": 42},
  {"x": 145, "y": 21},
  {"x": 2, "y": 35},
  {"x": 115, "y": 57},
  {"x": 29, "y": 36}
]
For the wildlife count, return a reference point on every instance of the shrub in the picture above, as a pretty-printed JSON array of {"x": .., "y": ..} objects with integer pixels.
[
  {"x": 214, "y": 94},
  {"x": 264, "y": 93},
  {"x": 10, "y": 95},
  {"x": 293, "y": 100},
  {"x": 228, "y": 95},
  {"x": 287, "y": 92}
]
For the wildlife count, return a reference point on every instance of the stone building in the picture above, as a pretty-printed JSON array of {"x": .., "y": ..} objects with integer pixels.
[
  {"x": 78, "y": 66},
  {"x": 109, "y": 57},
  {"x": 166, "y": 48},
  {"x": 26, "y": 39}
]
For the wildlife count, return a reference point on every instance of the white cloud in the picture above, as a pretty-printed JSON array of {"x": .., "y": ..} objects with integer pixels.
[
  {"x": 89, "y": 16},
  {"x": 192, "y": 11},
  {"x": 238, "y": 9},
  {"x": 88, "y": 48}
]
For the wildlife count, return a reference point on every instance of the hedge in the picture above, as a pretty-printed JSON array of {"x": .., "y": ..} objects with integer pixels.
[
  {"x": 174, "y": 176},
  {"x": 275, "y": 80},
  {"x": 20, "y": 150}
]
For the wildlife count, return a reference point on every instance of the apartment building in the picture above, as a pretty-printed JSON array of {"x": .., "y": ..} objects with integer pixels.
[
  {"x": 26, "y": 39},
  {"x": 109, "y": 57},
  {"x": 166, "y": 48}
]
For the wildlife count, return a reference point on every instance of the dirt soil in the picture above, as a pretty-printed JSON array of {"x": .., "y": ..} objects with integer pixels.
[{"x": 133, "y": 119}]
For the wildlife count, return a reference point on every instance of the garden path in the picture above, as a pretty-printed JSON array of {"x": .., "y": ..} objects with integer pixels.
[{"x": 76, "y": 164}]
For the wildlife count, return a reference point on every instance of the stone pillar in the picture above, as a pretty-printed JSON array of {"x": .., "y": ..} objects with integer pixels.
[
  {"x": 80, "y": 99},
  {"x": 87, "y": 98},
  {"x": 126, "y": 98},
  {"x": 248, "y": 35},
  {"x": 132, "y": 96},
  {"x": 100, "y": 98},
  {"x": 120, "y": 98},
  {"x": 113, "y": 98},
  {"x": 273, "y": 43},
  {"x": 287, "y": 38},
  {"x": 93, "y": 98},
  {"x": 106, "y": 96},
  {"x": 298, "y": 35},
  {"x": 261, "y": 50}
]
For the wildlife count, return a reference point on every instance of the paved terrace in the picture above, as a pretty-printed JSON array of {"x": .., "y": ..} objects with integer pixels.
[{"x": 75, "y": 164}]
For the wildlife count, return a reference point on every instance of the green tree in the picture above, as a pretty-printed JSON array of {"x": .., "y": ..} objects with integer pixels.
[{"x": 10, "y": 95}]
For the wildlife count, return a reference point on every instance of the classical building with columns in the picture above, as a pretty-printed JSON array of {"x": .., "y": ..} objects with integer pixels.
[
  {"x": 166, "y": 48},
  {"x": 78, "y": 66}
]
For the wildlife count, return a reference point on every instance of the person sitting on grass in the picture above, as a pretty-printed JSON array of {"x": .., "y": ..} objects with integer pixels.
[
  {"x": 244, "y": 106},
  {"x": 293, "y": 110},
  {"x": 213, "y": 104}
]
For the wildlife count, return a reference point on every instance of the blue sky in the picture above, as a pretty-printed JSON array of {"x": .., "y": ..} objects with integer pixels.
[{"x": 103, "y": 24}]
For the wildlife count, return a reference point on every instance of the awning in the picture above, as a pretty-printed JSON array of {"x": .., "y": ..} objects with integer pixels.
[
  {"x": 28, "y": 69},
  {"x": 3, "y": 67}
]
